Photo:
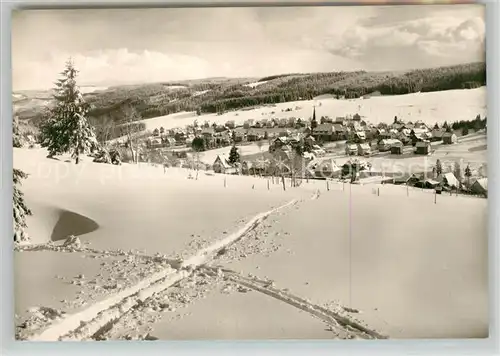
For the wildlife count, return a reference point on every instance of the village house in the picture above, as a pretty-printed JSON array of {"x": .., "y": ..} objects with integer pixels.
[
  {"x": 239, "y": 136},
  {"x": 415, "y": 178},
  {"x": 300, "y": 123},
  {"x": 408, "y": 126},
  {"x": 318, "y": 151},
  {"x": 257, "y": 167},
  {"x": 282, "y": 123},
  {"x": 279, "y": 142},
  {"x": 270, "y": 124},
  {"x": 480, "y": 187},
  {"x": 285, "y": 133},
  {"x": 427, "y": 184},
  {"x": 326, "y": 168},
  {"x": 291, "y": 122},
  {"x": 324, "y": 132},
  {"x": 351, "y": 149},
  {"x": 189, "y": 140},
  {"x": 449, "y": 138},
  {"x": 449, "y": 180},
  {"x": 364, "y": 149},
  {"x": 423, "y": 148},
  {"x": 417, "y": 135},
  {"x": 230, "y": 124},
  {"x": 386, "y": 144},
  {"x": 207, "y": 133},
  {"x": 356, "y": 117},
  {"x": 221, "y": 165},
  {"x": 381, "y": 134},
  {"x": 154, "y": 143},
  {"x": 359, "y": 137},
  {"x": 397, "y": 148},
  {"x": 254, "y": 135},
  {"x": 419, "y": 125},
  {"x": 219, "y": 128},
  {"x": 248, "y": 124},
  {"x": 169, "y": 141},
  {"x": 437, "y": 134},
  {"x": 310, "y": 140},
  {"x": 342, "y": 121},
  {"x": 397, "y": 126},
  {"x": 340, "y": 132},
  {"x": 403, "y": 137},
  {"x": 180, "y": 136},
  {"x": 257, "y": 125}
]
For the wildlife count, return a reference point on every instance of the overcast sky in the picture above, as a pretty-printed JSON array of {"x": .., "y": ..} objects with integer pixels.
[{"x": 129, "y": 46}]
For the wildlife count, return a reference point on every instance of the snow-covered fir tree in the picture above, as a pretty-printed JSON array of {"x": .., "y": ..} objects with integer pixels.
[
  {"x": 67, "y": 128},
  {"x": 17, "y": 139},
  {"x": 20, "y": 210},
  {"x": 234, "y": 155}
]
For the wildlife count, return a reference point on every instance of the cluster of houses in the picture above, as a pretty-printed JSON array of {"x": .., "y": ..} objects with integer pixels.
[
  {"x": 214, "y": 136},
  {"x": 222, "y": 135},
  {"x": 390, "y": 138},
  {"x": 447, "y": 182}
]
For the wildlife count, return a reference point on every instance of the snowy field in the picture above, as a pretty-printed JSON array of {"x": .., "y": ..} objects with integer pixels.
[
  {"x": 289, "y": 273},
  {"x": 450, "y": 105},
  {"x": 427, "y": 281}
]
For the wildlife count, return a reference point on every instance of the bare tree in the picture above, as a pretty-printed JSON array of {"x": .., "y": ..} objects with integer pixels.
[{"x": 130, "y": 117}]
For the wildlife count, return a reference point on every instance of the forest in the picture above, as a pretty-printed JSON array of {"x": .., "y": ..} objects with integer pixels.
[{"x": 218, "y": 95}]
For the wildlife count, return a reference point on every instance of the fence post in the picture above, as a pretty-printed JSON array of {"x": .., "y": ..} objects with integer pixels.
[
  {"x": 327, "y": 185},
  {"x": 435, "y": 197},
  {"x": 378, "y": 192},
  {"x": 268, "y": 184},
  {"x": 224, "y": 182},
  {"x": 407, "y": 191},
  {"x": 283, "y": 181}
]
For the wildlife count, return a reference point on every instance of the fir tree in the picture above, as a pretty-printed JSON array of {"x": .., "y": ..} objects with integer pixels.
[
  {"x": 17, "y": 139},
  {"x": 20, "y": 210},
  {"x": 468, "y": 174},
  {"x": 67, "y": 128},
  {"x": 439, "y": 168},
  {"x": 457, "y": 171},
  {"x": 234, "y": 155}
]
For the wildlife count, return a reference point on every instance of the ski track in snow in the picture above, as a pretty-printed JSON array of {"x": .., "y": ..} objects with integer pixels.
[
  {"x": 86, "y": 323},
  {"x": 339, "y": 324}
]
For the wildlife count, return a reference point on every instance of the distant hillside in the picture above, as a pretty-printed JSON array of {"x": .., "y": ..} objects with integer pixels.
[{"x": 216, "y": 95}]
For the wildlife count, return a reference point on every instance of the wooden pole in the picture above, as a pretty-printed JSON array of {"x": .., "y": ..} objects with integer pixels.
[
  {"x": 268, "y": 184},
  {"x": 327, "y": 185},
  {"x": 407, "y": 191},
  {"x": 224, "y": 182},
  {"x": 435, "y": 197},
  {"x": 283, "y": 180},
  {"x": 378, "y": 191}
]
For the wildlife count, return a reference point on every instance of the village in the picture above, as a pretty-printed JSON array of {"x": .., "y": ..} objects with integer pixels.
[{"x": 341, "y": 148}]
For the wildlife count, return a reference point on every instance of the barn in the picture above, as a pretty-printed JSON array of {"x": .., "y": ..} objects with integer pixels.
[
  {"x": 423, "y": 148},
  {"x": 449, "y": 138}
]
